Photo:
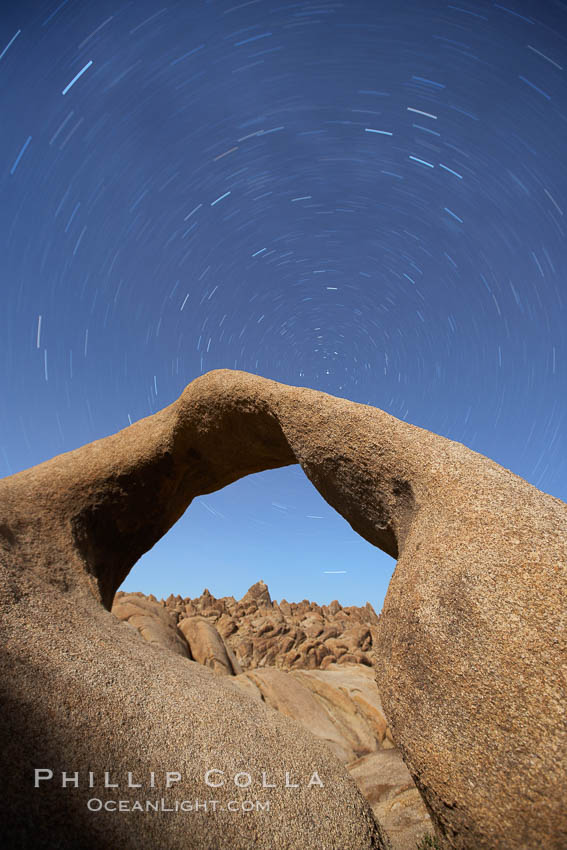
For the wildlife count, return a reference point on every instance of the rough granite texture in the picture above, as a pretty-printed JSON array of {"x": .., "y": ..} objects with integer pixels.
[
  {"x": 472, "y": 635},
  {"x": 337, "y": 701},
  {"x": 310, "y": 662}
]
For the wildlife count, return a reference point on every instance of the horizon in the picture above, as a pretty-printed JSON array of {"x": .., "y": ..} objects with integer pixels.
[
  {"x": 237, "y": 599},
  {"x": 368, "y": 202}
]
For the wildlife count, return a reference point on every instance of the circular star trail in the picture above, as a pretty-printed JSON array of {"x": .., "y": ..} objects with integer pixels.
[{"x": 364, "y": 198}]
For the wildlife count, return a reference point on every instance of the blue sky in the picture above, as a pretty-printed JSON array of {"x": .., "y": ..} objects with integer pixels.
[{"x": 367, "y": 199}]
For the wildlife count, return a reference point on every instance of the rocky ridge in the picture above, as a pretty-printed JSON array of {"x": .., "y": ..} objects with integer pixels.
[{"x": 259, "y": 632}]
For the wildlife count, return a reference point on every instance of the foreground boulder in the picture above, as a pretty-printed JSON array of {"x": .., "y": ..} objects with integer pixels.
[
  {"x": 155, "y": 623},
  {"x": 207, "y": 646},
  {"x": 339, "y": 704},
  {"x": 472, "y": 636}
]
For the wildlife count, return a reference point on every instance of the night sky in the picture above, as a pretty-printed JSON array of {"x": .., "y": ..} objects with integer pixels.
[{"x": 367, "y": 198}]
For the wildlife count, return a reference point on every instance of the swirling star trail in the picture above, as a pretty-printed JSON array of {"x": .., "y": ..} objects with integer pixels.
[{"x": 364, "y": 198}]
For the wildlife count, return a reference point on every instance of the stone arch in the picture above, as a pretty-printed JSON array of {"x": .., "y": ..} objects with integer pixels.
[
  {"x": 224, "y": 426},
  {"x": 470, "y": 640}
]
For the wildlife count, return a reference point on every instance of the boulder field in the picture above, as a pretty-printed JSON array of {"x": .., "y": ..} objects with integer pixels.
[{"x": 310, "y": 662}]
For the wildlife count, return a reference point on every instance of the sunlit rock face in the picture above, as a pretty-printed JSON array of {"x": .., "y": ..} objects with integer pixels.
[
  {"x": 255, "y": 631},
  {"x": 471, "y": 640},
  {"x": 310, "y": 662}
]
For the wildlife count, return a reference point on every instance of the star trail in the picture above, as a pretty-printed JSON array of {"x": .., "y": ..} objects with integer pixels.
[{"x": 364, "y": 198}]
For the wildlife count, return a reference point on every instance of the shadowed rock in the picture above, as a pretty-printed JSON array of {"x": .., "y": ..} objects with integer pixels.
[
  {"x": 340, "y": 704},
  {"x": 154, "y": 622},
  {"x": 471, "y": 641}
]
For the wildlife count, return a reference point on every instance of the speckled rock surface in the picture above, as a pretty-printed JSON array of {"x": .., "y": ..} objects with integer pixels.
[
  {"x": 472, "y": 635},
  {"x": 339, "y": 704}
]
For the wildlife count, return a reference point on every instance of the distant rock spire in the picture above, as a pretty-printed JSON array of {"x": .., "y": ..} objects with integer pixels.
[{"x": 258, "y": 593}]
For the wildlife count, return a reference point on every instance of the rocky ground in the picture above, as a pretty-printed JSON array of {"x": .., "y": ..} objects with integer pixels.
[{"x": 312, "y": 663}]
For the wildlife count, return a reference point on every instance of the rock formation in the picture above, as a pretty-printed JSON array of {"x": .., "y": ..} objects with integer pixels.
[
  {"x": 338, "y": 702},
  {"x": 471, "y": 640},
  {"x": 259, "y": 632},
  {"x": 341, "y": 706},
  {"x": 155, "y": 623}
]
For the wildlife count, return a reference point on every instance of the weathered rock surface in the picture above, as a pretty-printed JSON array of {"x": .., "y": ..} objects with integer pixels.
[
  {"x": 207, "y": 646},
  {"x": 386, "y": 783},
  {"x": 324, "y": 707},
  {"x": 471, "y": 637},
  {"x": 155, "y": 623},
  {"x": 340, "y": 704},
  {"x": 260, "y": 632}
]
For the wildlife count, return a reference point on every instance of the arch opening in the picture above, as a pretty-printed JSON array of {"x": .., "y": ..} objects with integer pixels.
[{"x": 272, "y": 526}]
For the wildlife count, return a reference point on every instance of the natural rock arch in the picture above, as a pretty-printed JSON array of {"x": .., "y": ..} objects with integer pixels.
[
  {"x": 469, "y": 641},
  {"x": 224, "y": 426}
]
